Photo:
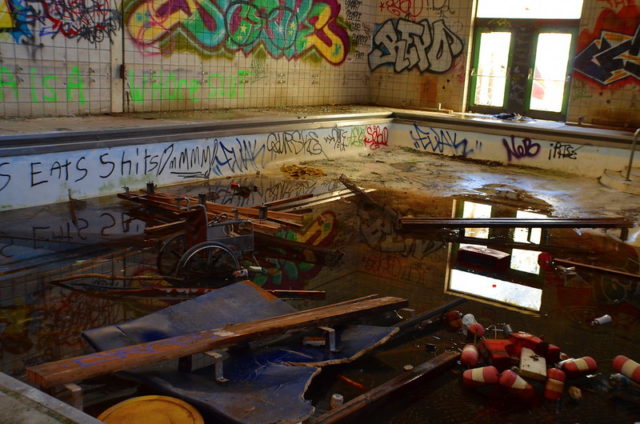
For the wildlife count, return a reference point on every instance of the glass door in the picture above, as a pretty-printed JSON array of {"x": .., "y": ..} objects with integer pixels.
[{"x": 548, "y": 76}]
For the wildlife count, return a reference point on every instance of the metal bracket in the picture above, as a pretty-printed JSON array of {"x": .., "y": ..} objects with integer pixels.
[
  {"x": 76, "y": 395},
  {"x": 262, "y": 212},
  {"x": 331, "y": 336},
  {"x": 217, "y": 365}
]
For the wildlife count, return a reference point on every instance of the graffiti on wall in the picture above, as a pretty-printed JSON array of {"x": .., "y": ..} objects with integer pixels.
[
  {"x": 284, "y": 28},
  {"x": 411, "y": 9},
  {"x": 429, "y": 46},
  {"x": 29, "y": 20},
  {"x": 47, "y": 178},
  {"x": 160, "y": 85},
  {"x": 360, "y": 31},
  {"x": 44, "y": 87},
  {"x": 520, "y": 148},
  {"x": 442, "y": 141},
  {"x": 611, "y": 53}
]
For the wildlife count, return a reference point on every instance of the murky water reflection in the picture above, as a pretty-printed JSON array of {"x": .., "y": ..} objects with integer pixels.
[{"x": 43, "y": 310}]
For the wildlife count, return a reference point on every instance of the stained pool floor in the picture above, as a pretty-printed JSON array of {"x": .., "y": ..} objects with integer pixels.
[{"x": 43, "y": 310}]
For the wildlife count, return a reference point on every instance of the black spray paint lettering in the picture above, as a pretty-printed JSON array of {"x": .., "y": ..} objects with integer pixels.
[
  {"x": 294, "y": 142},
  {"x": 238, "y": 156},
  {"x": 5, "y": 179},
  {"x": 525, "y": 148},
  {"x": 406, "y": 44},
  {"x": 563, "y": 151},
  {"x": 435, "y": 141},
  {"x": 337, "y": 139}
]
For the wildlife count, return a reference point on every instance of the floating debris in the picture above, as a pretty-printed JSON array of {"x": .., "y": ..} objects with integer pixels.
[{"x": 297, "y": 171}]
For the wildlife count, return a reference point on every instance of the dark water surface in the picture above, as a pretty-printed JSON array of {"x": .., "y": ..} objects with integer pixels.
[{"x": 43, "y": 308}]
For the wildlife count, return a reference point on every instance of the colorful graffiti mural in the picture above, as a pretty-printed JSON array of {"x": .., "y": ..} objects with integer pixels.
[
  {"x": 283, "y": 28},
  {"x": 405, "y": 44},
  {"x": 89, "y": 20},
  {"x": 286, "y": 274},
  {"x": 610, "y": 54}
]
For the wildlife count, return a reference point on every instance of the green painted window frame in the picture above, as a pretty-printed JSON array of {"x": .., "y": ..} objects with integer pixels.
[
  {"x": 484, "y": 25},
  {"x": 541, "y": 114},
  {"x": 474, "y": 78}
]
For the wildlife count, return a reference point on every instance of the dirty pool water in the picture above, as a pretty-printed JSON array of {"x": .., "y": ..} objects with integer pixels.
[{"x": 44, "y": 305}]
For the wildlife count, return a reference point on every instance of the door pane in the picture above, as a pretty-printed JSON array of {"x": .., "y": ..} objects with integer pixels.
[
  {"x": 493, "y": 60},
  {"x": 550, "y": 71}
]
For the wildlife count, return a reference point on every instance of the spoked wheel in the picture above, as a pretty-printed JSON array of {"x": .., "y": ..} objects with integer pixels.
[
  {"x": 208, "y": 263},
  {"x": 170, "y": 253}
]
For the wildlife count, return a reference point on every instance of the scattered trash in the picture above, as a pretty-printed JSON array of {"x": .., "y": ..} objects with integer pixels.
[
  {"x": 604, "y": 319},
  {"x": 516, "y": 384},
  {"x": 555, "y": 384},
  {"x": 495, "y": 352},
  {"x": 297, "y": 171},
  {"x": 627, "y": 367},
  {"x": 575, "y": 393},
  {"x": 532, "y": 365},
  {"x": 482, "y": 376},
  {"x": 453, "y": 319},
  {"x": 352, "y": 383},
  {"x": 408, "y": 367},
  {"x": 467, "y": 320},
  {"x": 469, "y": 356},
  {"x": 336, "y": 400},
  {"x": 579, "y": 367}
]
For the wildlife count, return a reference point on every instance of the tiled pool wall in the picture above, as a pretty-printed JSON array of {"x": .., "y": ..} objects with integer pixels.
[
  {"x": 128, "y": 56},
  {"x": 45, "y": 178}
]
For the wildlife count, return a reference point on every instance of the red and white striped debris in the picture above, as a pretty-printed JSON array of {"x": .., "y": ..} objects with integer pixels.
[
  {"x": 555, "y": 384},
  {"x": 469, "y": 356},
  {"x": 579, "y": 367},
  {"x": 516, "y": 384},
  {"x": 478, "y": 377},
  {"x": 627, "y": 367}
]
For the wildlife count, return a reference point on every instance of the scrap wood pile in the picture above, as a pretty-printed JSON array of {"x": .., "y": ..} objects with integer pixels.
[
  {"x": 179, "y": 211},
  {"x": 528, "y": 367}
]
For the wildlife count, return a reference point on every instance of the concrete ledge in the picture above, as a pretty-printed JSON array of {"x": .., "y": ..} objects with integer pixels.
[{"x": 23, "y": 404}]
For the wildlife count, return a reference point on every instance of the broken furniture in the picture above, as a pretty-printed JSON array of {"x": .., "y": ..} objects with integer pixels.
[{"x": 249, "y": 383}]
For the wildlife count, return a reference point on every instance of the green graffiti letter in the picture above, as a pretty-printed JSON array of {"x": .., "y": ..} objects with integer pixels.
[
  {"x": 242, "y": 78},
  {"x": 53, "y": 94},
  {"x": 194, "y": 85},
  {"x": 74, "y": 82},
  {"x": 8, "y": 80},
  {"x": 213, "y": 91},
  {"x": 32, "y": 78},
  {"x": 136, "y": 93}
]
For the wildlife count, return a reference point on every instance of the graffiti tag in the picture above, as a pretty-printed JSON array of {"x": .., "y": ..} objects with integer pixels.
[
  {"x": 406, "y": 44},
  {"x": 525, "y": 148},
  {"x": 436, "y": 141}
]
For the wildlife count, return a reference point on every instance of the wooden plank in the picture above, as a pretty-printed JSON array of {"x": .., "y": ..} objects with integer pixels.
[
  {"x": 362, "y": 404},
  {"x": 430, "y": 223},
  {"x": 105, "y": 362},
  {"x": 568, "y": 263}
]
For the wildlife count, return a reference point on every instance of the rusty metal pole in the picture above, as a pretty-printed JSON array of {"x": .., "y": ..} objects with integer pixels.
[{"x": 633, "y": 150}]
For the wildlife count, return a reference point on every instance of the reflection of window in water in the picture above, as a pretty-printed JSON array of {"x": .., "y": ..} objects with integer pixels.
[
  {"x": 526, "y": 260},
  {"x": 476, "y": 210},
  {"x": 493, "y": 289}
]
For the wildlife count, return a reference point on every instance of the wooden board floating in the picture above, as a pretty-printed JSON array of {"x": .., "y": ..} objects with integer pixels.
[{"x": 109, "y": 361}]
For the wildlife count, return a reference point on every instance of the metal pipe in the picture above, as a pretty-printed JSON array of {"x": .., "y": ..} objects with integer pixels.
[{"x": 633, "y": 150}]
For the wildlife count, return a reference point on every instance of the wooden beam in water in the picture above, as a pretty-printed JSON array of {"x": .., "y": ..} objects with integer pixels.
[
  {"x": 413, "y": 224},
  {"x": 105, "y": 362},
  {"x": 360, "y": 405}
]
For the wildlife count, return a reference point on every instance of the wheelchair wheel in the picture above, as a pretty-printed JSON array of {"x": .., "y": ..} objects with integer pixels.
[
  {"x": 170, "y": 253},
  {"x": 208, "y": 263}
]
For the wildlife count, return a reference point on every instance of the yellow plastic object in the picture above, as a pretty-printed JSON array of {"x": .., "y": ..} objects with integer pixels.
[{"x": 151, "y": 410}]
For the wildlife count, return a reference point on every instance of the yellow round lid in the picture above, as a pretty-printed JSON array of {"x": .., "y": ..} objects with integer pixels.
[{"x": 152, "y": 410}]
